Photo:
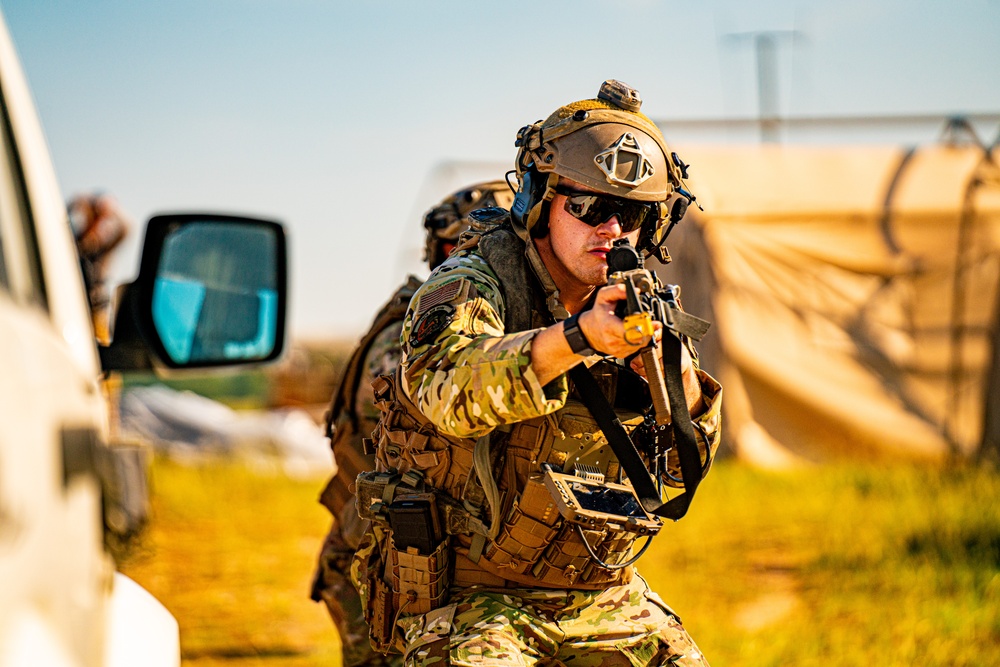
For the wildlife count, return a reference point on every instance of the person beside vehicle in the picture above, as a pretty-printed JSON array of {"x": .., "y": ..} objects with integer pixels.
[{"x": 99, "y": 226}]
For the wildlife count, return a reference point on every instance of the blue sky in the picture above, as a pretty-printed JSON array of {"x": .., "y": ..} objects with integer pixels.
[{"x": 335, "y": 117}]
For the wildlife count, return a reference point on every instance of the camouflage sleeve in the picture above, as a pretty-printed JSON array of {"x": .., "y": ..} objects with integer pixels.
[{"x": 459, "y": 367}]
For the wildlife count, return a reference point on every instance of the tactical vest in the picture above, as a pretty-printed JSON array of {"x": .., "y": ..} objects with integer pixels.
[
  {"x": 343, "y": 426},
  {"x": 490, "y": 495}
]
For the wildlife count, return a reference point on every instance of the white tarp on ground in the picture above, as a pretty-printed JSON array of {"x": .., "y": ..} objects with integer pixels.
[{"x": 185, "y": 424}]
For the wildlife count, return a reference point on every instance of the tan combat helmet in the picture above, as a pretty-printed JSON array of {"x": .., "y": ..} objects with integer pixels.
[
  {"x": 446, "y": 221},
  {"x": 608, "y": 145}
]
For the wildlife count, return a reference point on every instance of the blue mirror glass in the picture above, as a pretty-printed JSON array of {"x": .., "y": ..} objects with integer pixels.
[{"x": 215, "y": 294}]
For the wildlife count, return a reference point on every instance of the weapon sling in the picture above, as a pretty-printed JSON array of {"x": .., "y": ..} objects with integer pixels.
[{"x": 623, "y": 447}]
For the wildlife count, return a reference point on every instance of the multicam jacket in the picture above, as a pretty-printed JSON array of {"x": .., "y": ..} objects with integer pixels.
[
  {"x": 465, "y": 374},
  {"x": 468, "y": 374}
]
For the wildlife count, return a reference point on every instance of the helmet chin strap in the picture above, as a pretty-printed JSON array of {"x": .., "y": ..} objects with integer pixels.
[{"x": 552, "y": 301}]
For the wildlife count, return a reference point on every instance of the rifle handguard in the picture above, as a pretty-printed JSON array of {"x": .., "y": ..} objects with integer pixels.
[{"x": 657, "y": 388}]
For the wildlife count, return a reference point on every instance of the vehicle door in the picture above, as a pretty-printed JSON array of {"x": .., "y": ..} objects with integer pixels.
[{"x": 53, "y": 570}]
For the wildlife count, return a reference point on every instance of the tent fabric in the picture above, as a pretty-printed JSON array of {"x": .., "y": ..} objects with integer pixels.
[{"x": 853, "y": 291}]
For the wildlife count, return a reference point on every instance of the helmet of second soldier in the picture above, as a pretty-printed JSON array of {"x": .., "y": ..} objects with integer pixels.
[
  {"x": 605, "y": 144},
  {"x": 445, "y": 222}
]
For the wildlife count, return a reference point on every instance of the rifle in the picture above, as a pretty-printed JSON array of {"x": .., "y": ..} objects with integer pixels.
[{"x": 648, "y": 300}]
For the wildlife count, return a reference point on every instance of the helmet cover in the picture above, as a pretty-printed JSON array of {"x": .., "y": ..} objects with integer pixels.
[
  {"x": 446, "y": 221},
  {"x": 606, "y": 144}
]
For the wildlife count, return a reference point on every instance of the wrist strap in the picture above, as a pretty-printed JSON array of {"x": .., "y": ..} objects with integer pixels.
[{"x": 574, "y": 336}]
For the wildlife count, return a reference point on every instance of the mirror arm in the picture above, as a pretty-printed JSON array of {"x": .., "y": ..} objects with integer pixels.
[{"x": 128, "y": 350}]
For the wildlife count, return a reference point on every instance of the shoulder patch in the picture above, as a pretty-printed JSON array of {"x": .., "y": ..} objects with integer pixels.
[
  {"x": 431, "y": 323},
  {"x": 438, "y": 295}
]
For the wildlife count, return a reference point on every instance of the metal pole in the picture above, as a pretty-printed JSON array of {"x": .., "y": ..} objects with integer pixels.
[
  {"x": 766, "y": 54},
  {"x": 767, "y": 87}
]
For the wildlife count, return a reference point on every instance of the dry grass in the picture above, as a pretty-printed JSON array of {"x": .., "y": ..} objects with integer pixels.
[
  {"x": 830, "y": 566},
  {"x": 230, "y": 552}
]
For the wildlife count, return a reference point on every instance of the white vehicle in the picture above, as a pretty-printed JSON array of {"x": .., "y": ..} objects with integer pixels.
[{"x": 210, "y": 292}]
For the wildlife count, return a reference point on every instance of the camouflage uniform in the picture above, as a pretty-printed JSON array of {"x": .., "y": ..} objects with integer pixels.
[
  {"x": 623, "y": 625},
  {"x": 477, "y": 552},
  {"x": 469, "y": 374}
]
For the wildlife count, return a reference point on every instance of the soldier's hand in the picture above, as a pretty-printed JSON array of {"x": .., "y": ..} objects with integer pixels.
[{"x": 604, "y": 329}]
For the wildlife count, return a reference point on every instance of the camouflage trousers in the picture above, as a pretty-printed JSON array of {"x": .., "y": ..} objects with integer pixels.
[{"x": 623, "y": 625}]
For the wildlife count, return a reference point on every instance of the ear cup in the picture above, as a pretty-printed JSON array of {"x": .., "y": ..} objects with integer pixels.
[
  {"x": 531, "y": 192},
  {"x": 523, "y": 199},
  {"x": 678, "y": 209}
]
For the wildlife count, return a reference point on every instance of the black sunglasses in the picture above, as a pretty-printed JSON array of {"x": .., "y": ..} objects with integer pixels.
[{"x": 594, "y": 209}]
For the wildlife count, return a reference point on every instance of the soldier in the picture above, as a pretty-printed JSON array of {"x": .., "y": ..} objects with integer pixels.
[
  {"x": 99, "y": 226},
  {"x": 476, "y": 553},
  {"x": 352, "y": 416}
]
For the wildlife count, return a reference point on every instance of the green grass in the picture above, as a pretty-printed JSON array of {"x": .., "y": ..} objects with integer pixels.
[
  {"x": 838, "y": 566},
  {"x": 827, "y": 566}
]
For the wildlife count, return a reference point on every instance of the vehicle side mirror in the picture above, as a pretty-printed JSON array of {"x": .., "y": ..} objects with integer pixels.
[{"x": 211, "y": 292}]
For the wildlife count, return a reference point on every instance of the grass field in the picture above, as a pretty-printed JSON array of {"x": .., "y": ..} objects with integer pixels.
[{"x": 827, "y": 566}]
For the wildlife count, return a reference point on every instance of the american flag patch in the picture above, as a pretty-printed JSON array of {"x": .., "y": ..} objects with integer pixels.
[{"x": 438, "y": 295}]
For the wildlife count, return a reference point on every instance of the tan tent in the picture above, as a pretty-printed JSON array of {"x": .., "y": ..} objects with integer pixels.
[{"x": 853, "y": 292}]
